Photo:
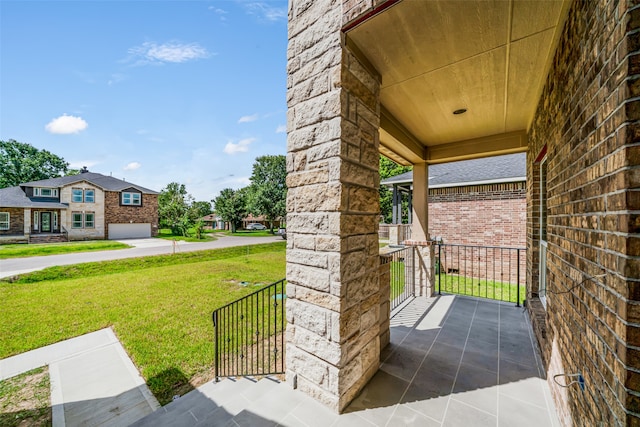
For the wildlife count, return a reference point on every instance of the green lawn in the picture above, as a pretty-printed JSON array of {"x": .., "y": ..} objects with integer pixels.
[
  {"x": 502, "y": 291},
  {"x": 160, "y": 307},
  {"x": 165, "y": 233},
  {"x": 30, "y": 250}
]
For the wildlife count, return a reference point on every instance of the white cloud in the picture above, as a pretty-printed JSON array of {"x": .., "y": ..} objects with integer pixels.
[
  {"x": 281, "y": 129},
  {"x": 247, "y": 119},
  {"x": 241, "y": 146},
  {"x": 116, "y": 78},
  {"x": 132, "y": 166},
  {"x": 175, "y": 52},
  {"x": 66, "y": 125},
  {"x": 266, "y": 11}
]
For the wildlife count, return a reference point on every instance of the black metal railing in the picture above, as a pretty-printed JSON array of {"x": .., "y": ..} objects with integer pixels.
[
  {"x": 481, "y": 271},
  {"x": 249, "y": 334},
  {"x": 402, "y": 275}
]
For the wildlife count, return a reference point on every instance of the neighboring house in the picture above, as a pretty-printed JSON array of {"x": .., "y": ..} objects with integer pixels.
[
  {"x": 472, "y": 202},
  {"x": 260, "y": 219},
  {"x": 214, "y": 222},
  {"x": 78, "y": 207}
]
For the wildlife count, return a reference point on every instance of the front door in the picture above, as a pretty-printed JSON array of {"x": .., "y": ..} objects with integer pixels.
[{"x": 45, "y": 222}]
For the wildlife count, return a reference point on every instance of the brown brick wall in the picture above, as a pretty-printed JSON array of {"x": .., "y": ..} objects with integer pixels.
[
  {"x": 16, "y": 221},
  {"x": 487, "y": 215},
  {"x": 588, "y": 119},
  {"x": 117, "y": 214}
]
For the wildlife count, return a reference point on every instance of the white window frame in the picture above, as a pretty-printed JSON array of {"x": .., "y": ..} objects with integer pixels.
[
  {"x": 6, "y": 221},
  {"x": 36, "y": 220},
  {"x": 542, "y": 267},
  {"x": 37, "y": 192},
  {"x": 77, "y": 192},
  {"x": 93, "y": 195},
  {"x": 92, "y": 222},
  {"x": 131, "y": 198},
  {"x": 55, "y": 220},
  {"x": 73, "y": 220}
]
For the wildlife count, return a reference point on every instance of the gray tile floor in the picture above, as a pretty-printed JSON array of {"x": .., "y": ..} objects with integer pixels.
[
  {"x": 452, "y": 361},
  {"x": 456, "y": 361}
]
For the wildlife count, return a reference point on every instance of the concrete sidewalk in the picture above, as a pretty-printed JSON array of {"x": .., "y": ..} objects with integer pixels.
[
  {"x": 93, "y": 381},
  {"x": 142, "y": 247}
]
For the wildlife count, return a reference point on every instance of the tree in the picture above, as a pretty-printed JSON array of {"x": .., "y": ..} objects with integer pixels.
[
  {"x": 268, "y": 189},
  {"x": 201, "y": 208},
  {"x": 174, "y": 209},
  {"x": 20, "y": 162},
  {"x": 230, "y": 205},
  {"x": 389, "y": 168}
]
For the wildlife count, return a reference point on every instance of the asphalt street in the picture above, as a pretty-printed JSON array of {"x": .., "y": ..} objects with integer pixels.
[{"x": 141, "y": 247}]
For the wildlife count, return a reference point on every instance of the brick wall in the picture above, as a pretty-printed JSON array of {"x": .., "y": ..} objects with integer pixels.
[
  {"x": 117, "y": 214},
  {"x": 588, "y": 120},
  {"x": 488, "y": 215},
  {"x": 16, "y": 221}
]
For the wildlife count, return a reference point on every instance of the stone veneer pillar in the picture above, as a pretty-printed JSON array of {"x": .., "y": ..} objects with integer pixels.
[{"x": 333, "y": 305}]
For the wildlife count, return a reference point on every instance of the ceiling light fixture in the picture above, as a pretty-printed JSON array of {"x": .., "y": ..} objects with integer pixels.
[{"x": 460, "y": 111}]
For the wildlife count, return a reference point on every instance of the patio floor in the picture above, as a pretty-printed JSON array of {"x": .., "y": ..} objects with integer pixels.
[
  {"x": 456, "y": 361},
  {"x": 452, "y": 361}
]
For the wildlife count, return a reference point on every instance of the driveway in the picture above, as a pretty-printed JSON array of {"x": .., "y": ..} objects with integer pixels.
[{"x": 141, "y": 247}]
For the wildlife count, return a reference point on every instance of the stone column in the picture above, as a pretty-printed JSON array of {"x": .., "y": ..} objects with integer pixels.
[
  {"x": 27, "y": 222},
  {"x": 333, "y": 305},
  {"x": 424, "y": 277}
]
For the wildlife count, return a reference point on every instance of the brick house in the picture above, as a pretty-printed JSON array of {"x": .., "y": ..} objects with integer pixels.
[
  {"x": 86, "y": 206},
  {"x": 433, "y": 82},
  {"x": 472, "y": 202}
]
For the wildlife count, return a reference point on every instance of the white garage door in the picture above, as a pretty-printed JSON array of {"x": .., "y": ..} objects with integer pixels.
[{"x": 129, "y": 231}]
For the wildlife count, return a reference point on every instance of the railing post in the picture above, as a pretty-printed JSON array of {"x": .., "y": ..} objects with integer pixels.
[
  {"x": 214, "y": 317},
  {"x": 518, "y": 281},
  {"x": 439, "y": 269}
]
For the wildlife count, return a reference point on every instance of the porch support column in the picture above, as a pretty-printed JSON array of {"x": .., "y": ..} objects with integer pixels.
[
  {"x": 395, "y": 201},
  {"x": 333, "y": 288},
  {"x": 27, "y": 222},
  {"x": 424, "y": 250}
]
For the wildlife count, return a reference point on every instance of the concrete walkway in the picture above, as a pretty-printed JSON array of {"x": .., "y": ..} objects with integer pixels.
[
  {"x": 142, "y": 247},
  {"x": 93, "y": 381}
]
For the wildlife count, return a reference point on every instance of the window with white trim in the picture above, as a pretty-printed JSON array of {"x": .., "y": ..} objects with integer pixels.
[
  {"x": 76, "y": 195},
  {"x": 89, "y": 195},
  {"x": 55, "y": 220},
  {"x": 4, "y": 220},
  {"x": 45, "y": 192},
  {"x": 36, "y": 220},
  {"x": 133, "y": 199},
  {"x": 89, "y": 220},
  {"x": 542, "y": 287},
  {"x": 76, "y": 220}
]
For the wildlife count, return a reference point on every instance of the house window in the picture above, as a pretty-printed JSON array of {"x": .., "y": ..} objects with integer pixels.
[
  {"x": 36, "y": 218},
  {"x": 89, "y": 196},
  {"x": 45, "y": 192},
  {"x": 76, "y": 218},
  {"x": 89, "y": 220},
  {"x": 55, "y": 220},
  {"x": 131, "y": 199},
  {"x": 542, "y": 288},
  {"x": 4, "y": 220},
  {"x": 76, "y": 195}
]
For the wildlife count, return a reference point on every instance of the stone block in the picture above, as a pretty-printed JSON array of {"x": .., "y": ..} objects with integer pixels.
[
  {"x": 311, "y": 277},
  {"x": 306, "y": 257}
]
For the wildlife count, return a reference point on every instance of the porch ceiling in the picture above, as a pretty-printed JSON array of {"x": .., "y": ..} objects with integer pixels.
[{"x": 488, "y": 57}]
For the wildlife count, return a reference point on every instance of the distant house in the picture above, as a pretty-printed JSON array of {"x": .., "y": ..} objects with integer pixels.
[
  {"x": 214, "y": 222},
  {"x": 472, "y": 202},
  {"x": 78, "y": 207},
  {"x": 260, "y": 219}
]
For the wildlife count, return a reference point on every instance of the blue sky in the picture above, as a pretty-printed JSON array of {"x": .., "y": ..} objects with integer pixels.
[{"x": 149, "y": 91}]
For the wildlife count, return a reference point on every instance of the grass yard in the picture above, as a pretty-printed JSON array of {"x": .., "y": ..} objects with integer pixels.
[
  {"x": 501, "y": 291},
  {"x": 160, "y": 307},
  {"x": 165, "y": 233},
  {"x": 25, "y": 400},
  {"x": 30, "y": 250}
]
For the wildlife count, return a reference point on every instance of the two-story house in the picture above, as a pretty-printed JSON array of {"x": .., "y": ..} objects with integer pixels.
[{"x": 86, "y": 206}]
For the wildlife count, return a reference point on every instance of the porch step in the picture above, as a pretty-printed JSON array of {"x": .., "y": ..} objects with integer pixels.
[
  {"x": 215, "y": 404},
  {"x": 48, "y": 238}
]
